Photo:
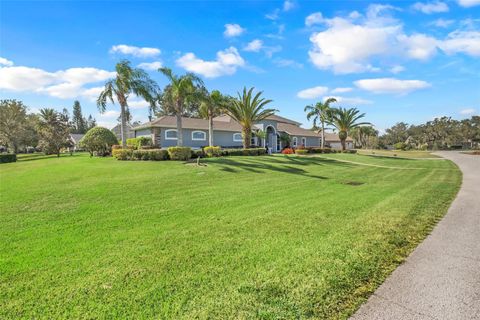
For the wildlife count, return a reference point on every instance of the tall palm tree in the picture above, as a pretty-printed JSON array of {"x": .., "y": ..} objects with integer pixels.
[
  {"x": 320, "y": 113},
  {"x": 127, "y": 81},
  {"x": 247, "y": 110},
  {"x": 212, "y": 105},
  {"x": 182, "y": 90},
  {"x": 344, "y": 120}
]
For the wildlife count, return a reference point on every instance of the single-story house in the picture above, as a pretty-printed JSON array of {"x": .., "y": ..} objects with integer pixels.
[
  {"x": 117, "y": 130},
  {"x": 75, "y": 139},
  {"x": 227, "y": 133}
]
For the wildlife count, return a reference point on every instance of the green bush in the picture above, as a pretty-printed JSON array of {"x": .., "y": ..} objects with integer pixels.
[
  {"x": 140, "y": 143},
  {"x": 98, "y": 141},
  {"x": 212, "y": 151},
  {"x": 400, "y": 146},
  {"x": 8, "y": 157},
  {"x": 318, "y": 150},
  {"x": 122, "y": 154},
  {"x": 198, "y": 154},
  {"x": 244, "y": 152},
  {"x": 180, "y": 153},
  {"x": 301, "y": 151},
  {"x": 349, "y": 151},
  {"x": 131, "y": 154}
]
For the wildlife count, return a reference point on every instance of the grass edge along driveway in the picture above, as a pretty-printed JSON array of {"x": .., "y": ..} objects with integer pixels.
[{"x": 243, "y": 237}]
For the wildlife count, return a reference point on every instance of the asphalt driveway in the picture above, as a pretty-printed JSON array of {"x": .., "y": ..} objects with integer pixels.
[{"x": 441, "y": 278}]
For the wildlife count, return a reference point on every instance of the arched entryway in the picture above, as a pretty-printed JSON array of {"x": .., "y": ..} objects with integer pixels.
[{"x": 271, "y": 139}]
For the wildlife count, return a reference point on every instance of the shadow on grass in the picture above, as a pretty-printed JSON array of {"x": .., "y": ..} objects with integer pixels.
[
  {"x": 287, "y": 164},
  {"x": 37, "y": 156},
  {"x": 388, "y": 157}
]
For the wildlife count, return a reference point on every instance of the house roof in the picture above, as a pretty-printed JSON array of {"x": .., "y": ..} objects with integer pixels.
[
  {"x": 295, "y": 130},
  {"x": 223, "y": 123},
  {"x": 76, "y": 137},
  {"x": 282, "y": 119},
  {"x": 117, "y": 128}
]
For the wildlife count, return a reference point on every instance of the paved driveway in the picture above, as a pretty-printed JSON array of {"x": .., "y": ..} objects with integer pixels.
[{"x": 441, "y": 278}]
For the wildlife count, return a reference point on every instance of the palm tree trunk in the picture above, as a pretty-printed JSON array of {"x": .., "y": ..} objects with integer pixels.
[
  {"x": 123, "y": 125},
  {"x": 210, "y": 131},
  {"x": 247, "y": 132},
  {"x": 323, "y": 135},
  {"x": 342, "y": 141},
  {"x": 179, "y": 130}
]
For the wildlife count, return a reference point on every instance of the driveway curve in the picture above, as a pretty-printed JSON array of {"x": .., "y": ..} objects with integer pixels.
[{"x": 441, "y": 278}]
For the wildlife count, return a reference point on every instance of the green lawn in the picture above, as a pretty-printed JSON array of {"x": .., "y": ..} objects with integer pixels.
[
  {"x": 244, "y": 237},
  {"x": 399, "y": 153}
]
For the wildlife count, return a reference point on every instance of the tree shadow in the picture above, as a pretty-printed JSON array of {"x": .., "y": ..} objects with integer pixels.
[{"x": 264, "y": 164}]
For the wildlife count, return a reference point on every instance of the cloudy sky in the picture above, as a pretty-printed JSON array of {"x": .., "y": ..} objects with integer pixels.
[{"x": 396, "y": 61}]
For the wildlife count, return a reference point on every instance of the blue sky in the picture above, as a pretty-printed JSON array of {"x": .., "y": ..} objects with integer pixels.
[{"x": 394, "y": 60}]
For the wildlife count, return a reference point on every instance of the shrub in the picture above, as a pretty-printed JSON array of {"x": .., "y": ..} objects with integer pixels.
[
  {"x": 180, "y": 153},
  {"x": 318, "y": 150},
  {"x": 98, "y": 141},
  {"x": 288, "y": 151},
  {"x": 140, "y": 142},
  {"x": 349, "y": 151},
  {"x": 8, "y": 157},
  {"x": 301, "y": 151},
  {"x": 122, "y": 154},
  {"x": 400, "y": 146},
  {"x": 198, "y": 154},
  {"x": 244, "y": 152},
  {"x": 212, "y": 151},
  {"x": 150, "y": 154}
]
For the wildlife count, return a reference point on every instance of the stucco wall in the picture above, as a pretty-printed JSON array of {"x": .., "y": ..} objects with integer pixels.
[{"x": 220, "y": 138}]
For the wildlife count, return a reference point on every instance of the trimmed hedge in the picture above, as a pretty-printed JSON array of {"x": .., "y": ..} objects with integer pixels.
[
  {"x": 130, "y": 154},
  {"x": 198, "y": 154},
  {"x": 98, "y": 141},
  {"x": 8, "y": 157},
  {"x": 139, "y": 142},
  {"x": 301, "y": 151},
  {"x": 180, "y": 153},
  {"x": 319, "y": 150},
  {"x": 212, "y": 151},
  {"x": 244, "y": 152}
]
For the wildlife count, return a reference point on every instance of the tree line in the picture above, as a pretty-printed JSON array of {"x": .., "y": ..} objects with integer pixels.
[{"x": 49, "y": 130}]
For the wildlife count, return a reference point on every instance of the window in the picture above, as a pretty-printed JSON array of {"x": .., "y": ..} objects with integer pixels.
[
  {"x": 199, "y": 136},
  {"x": 237, "y": 137},
  {"x": 304, "y": 141},
  {"x": 171, "y": 134},
  {"x": 253, "y": 141},
  {"x": 294, "y": 141}
]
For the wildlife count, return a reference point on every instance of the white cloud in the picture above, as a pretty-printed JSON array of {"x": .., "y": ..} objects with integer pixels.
[
  {"x": 274, "y": 15},
  {"x": 467, "y": 111},
  {"x": 254, "y": 46},
  {"x": 233, "y": 30},
  {"x": 69, "y": 83},
  {"x": 442, "y": 23},
  {"x": 341, "y": 90},
  {"x": 419, "y": 46},
  {"x": 467, "y": 42},
  {"x": 288, "y": 5},
  {"x": 312, "y": 93},
  {"x": 397, "y": 69},
  {"x": 226, "y": 63},
  {"x": 314, "y": 18},
  {"x": 135, "y": 51},
  {"x": 155, "y": 65},
  {"x": 287, "y": 63},
  {"x": 5, "y": 62},
  {"x": 138, "y": 103},
  {"x": 391, "y": 85},
  {"x": 110, "y": 114},
  {"x": 431, "y": 7},
  {"x": 345, "y": 101},
  {"x": 468, "y": 3}
]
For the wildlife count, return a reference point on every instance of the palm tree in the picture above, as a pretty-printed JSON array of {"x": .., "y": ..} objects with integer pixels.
[
  {"x": 182, "y": 90},
  {"x": 128, "y": 80},
  {"x": 320, "y": 113},
  {"x": 344, "y": 120},
  {"x": 211, "y": 106},
  {"x": 247, "y": 110}
]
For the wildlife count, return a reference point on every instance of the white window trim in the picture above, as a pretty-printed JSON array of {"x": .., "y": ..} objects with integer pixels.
[
  {"x": 198, "y": 131},
  {"x": 294, "y": 141},
  {"x": 169, "y": 138},
  {"x": 304, "y": 144},
  {"x": 236, "y": 140}
]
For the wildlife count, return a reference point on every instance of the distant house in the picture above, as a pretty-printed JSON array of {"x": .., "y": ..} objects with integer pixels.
[
  {"x": 75, "y": 139},
  {"x": 118, "y": 132},
  {"x": 227, "y": 133}
]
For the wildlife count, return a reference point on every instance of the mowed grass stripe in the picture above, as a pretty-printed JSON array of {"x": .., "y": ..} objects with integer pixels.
[{"x": 246, "y": 237}]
